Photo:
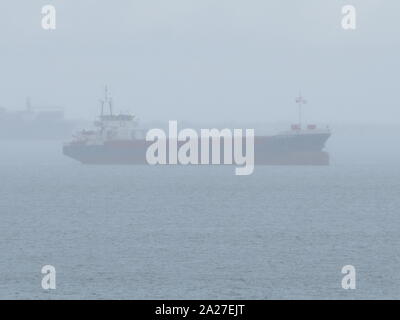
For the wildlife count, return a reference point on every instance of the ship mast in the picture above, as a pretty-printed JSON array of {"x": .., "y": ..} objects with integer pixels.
[
  {"x": 107, "y": 100},
  {"x": 102, "y": 108},
  {"x": 300, "y": 101}
]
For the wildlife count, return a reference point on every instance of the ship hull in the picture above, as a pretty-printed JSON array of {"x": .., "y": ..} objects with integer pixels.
[{"x": 274, "y": 150}]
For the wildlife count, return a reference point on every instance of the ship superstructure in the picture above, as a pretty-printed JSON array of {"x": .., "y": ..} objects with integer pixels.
[{"x": 109, "y": 127}]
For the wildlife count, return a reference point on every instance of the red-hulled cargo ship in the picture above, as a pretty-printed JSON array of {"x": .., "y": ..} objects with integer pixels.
[{"x": 116, "y": 140}]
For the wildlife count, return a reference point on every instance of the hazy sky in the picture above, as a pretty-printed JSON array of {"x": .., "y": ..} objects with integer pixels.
[{"x": 219, "y": 60}]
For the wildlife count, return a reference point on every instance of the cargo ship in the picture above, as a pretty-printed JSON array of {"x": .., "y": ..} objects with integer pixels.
[
  {"x": 116, "y": 139},
  {"x": 35, "y": 123}
]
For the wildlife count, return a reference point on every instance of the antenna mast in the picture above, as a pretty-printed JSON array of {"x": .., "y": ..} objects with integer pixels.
[
  {"x": 102, "y": 108},
  {"x": 300, "y": 101},
  {"x": 108, "y": 99}
]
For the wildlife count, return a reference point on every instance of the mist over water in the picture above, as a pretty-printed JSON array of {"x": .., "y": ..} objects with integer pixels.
[{"x": 200, "y": 232}]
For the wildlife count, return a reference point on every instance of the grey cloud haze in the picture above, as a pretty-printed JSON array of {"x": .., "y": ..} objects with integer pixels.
[{"x": 205, "y": 60}]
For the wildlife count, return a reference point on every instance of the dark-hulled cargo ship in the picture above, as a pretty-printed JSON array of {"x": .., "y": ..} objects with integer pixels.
[{"x": 116, "y": 140}]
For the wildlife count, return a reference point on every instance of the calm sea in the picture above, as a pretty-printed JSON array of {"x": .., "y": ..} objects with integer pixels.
[{"x": 139, "y": 232}]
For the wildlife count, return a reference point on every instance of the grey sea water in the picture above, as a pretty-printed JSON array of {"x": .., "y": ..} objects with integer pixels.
[{"x": 138, "y": 232}]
